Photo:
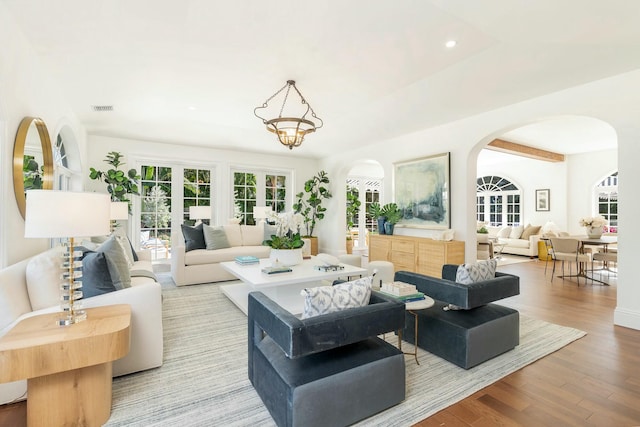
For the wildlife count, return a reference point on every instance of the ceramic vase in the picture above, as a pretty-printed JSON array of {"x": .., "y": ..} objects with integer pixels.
[
  {"x": 594, "y": 232},
  {"x": 285, "y": 257}
]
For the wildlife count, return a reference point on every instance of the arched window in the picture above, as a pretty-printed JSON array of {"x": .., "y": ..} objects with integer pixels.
[
  {"x": 607, "y": 201},
  {"x": 498, "y": 201}
]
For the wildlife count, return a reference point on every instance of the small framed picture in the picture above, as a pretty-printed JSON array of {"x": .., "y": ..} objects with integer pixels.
[{"x": 542, "y": 200}]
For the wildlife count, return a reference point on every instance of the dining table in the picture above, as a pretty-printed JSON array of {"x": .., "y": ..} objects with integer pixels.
[{"x": 601, "y": 242}]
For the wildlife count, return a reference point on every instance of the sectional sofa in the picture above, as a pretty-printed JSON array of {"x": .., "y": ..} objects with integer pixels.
[{"x": 31, "y": 287}]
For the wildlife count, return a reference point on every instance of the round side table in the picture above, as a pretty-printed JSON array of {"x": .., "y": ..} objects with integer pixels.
[{"x": 412, "y": 307}]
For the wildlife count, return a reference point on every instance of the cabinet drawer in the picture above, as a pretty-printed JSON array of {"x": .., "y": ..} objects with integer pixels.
[
  {"x": 403, "y": 258},
  {"x": 402, "y": 246}
]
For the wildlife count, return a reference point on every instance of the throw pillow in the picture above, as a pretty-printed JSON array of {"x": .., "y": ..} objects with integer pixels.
[
  {"x": 117, "y": 263},
  {"x": 476, "y": 272},
  {"x": 215, "y": 238},
  {"x": 43, "y": 274},
  {"x": 504, "y": 232},
  {"x": 252, "y": 235},
  {"x": 193, "y": 237},
  {"x": 516, "y": 232},
  {"x": 529, "y": 231},
  {"x": 122, "y": 239},
  {"x": 328, "y": 299},
  {"x": 96, "y": 279}
]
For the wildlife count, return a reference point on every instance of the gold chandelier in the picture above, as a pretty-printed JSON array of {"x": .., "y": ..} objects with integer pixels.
[{"x": 290, "y": 130}]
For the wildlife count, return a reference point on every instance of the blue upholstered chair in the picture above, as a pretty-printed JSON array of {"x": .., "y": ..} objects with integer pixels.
[
  {"x": 464, "y": 326},
  {"x": 328, "y": 370}
]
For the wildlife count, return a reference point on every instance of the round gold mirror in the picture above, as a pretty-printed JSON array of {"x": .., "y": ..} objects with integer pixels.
[{"x": 32, "y": 159}]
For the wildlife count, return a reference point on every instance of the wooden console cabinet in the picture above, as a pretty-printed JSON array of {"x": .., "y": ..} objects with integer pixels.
[{"x": 418, "y": 254}]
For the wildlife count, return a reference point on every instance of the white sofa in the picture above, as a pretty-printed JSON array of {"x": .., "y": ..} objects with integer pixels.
[
  {"x": 515, "y": 245},
  {"x": 203, "y": 266},
  {"x": 20, "y": 298}
]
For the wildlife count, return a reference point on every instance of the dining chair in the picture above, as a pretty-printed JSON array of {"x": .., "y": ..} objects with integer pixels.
[
  {"x": 607, "y": 258},
  {"x": 569, "y": 249}
]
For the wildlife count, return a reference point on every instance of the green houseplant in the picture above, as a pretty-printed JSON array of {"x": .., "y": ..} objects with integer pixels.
[
  {"x": 309, "y": 201},
  {"x": 120, "y": 183},
  {"x": 375, "y": 211},
  {"x": 393, "y": 214}
]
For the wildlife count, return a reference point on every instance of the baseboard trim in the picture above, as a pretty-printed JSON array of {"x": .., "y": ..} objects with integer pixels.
[{"x": 627, "y": 318}]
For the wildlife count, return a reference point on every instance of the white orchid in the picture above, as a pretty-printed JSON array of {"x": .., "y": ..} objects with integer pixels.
[
  {"x": 287, "y": 233},
  {"x": 596, "y": 221}
]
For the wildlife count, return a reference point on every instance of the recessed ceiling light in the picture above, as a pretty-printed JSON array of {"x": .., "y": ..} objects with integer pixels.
[
  {"x": 192, "y": 108},
  {"x": 102, "y": 108},
  {"x": 451, "y": 43}
]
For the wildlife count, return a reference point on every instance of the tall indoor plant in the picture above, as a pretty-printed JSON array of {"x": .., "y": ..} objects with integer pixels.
[
  {"x": 120, "y": 183},
  {"x": 309, "y": 204}
]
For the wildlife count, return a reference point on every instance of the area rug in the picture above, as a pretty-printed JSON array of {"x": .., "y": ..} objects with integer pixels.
[
  {"x": 203, "y": 381},
  {"x": 513, "y": 259}
]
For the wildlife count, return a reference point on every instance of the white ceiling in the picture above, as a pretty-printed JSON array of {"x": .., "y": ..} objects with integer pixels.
[{"x": 192, "y": 71}]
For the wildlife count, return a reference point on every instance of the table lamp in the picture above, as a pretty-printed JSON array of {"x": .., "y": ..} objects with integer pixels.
[
  {"x": 65, "y": 214},
  {"x": 199, "y": 213},
  {"x": 119, "y": 212},
  {"x": 261, "y": 213}
]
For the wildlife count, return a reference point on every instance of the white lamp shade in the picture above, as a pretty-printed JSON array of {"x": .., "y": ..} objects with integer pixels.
[
  {"x": 119, "y": 210},
  {"x": 261, "y": 212},
  {"x": 59, "y": 214},
  {"x": 199, "y": 212}
]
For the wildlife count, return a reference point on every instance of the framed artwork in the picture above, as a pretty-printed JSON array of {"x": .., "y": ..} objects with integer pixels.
[
  {"x": 422, "y": 192},
  {"x": 542, "y": 200}
]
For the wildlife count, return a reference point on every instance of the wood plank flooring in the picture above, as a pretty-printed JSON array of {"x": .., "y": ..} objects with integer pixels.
[{"x": 594, "y": 381}]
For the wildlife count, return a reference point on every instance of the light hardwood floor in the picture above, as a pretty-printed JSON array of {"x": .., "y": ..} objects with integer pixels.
[{"x": 594, "y": 381}]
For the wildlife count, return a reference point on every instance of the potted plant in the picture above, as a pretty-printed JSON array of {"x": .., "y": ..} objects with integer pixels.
[
  {"x": 393, "y": 214},
  {"x": 353, "y": 207},
  {"x": 309, "y": 205},
  {"x": 375, "y": 210},
  {"x": 119, "y": 182},
  {"x": 286, "y": 244},
  {"x": 483, "y": 235}
]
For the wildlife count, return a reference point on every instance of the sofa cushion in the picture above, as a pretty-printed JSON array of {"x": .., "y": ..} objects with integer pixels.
[
  {"x": 476, "y": 272},
  {"x": 193, "y": 237},
  {"x": 327, "y": 299},
  {"x": 43, "y": 278},
  {"x": 122, "y": 239},
  {"x": 530, "y": 230},
  {"x": 117, "y": 262},
  {"x": 515, "y": 243},
  {"x": 202, "y": 256},
  {"x": 252, "y": 235},
  {"x": 215, "y": 238},
  {"x": 516, "y": 232},
  {"x": 96, "y": 279},
  {"x": 504, "y": 232},
  {"x": 234, "y": 235}
]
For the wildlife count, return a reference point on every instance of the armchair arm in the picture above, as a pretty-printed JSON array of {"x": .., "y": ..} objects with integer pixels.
[
  {"x": 298, "y": 338},
  {"x": 465, "y": 296}
]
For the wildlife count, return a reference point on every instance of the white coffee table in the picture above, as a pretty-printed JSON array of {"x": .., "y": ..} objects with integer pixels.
[{"x": 283, "y": 288}]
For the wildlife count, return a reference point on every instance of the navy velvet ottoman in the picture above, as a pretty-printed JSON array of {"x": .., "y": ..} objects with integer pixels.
[
  {"x": 474, "y": 333},
  {"x": 465, "y": 337}
]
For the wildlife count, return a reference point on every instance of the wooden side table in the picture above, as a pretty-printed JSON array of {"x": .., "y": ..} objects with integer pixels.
[{"x": 68, "y": 368}]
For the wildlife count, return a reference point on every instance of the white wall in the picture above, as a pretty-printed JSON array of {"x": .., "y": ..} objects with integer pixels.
[
  {"x": 611, "y": 100},
  {"x": 25, "y": 90},
  {"x": 136, "y": 152}
]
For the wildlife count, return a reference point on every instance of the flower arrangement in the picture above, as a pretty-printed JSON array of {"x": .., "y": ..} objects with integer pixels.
[
  {"x": 287, "y": 230},
  {"x": 596, "y": 221}
]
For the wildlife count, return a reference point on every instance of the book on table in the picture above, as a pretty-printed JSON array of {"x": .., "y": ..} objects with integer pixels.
[
  {"x": 416, "y": 296},
  {"x": 276, "y": 270},
  {"x": 247, "y": 260},
  {"x": 398, "y": 288}
]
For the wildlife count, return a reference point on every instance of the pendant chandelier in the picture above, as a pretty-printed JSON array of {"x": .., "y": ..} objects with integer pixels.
[{"x": 290, "y": 130}]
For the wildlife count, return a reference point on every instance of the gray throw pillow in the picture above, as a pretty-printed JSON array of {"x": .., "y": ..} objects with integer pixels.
[
  {"x": 215, "y": 238},
  {"x": 96, "y": 279},
  {"x": 193, "y": 237},
  {"x": 117, "y": 263}
]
